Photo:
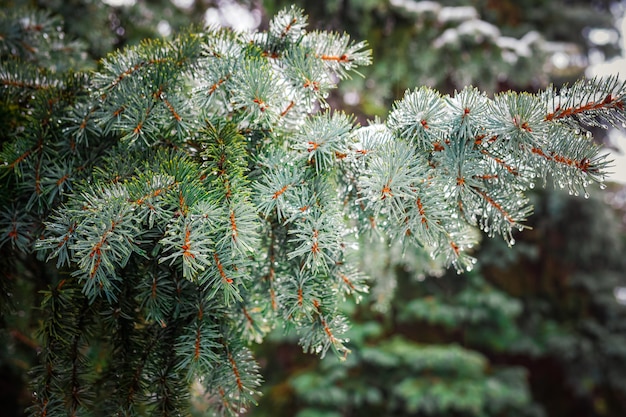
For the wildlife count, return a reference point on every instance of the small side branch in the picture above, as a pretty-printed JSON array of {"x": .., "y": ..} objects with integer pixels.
[{"x": 609, "y": 102}]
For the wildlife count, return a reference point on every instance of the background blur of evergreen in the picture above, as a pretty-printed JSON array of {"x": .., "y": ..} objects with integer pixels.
[{"x": 533, "y": 330}]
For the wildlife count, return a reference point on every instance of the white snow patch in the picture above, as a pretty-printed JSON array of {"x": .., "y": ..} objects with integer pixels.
[
  {"x": 417, "y": 7},
  {"x": 448, "y": 37},
  {"x": 516, "y": 46},
  {"x": 479, "y": 28},
  {"x": 119, "y": 3},
  {"x": 456, "y": 14}
]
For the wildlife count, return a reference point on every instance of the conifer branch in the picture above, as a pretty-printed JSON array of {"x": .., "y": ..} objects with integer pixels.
[
  {"x": 194, "y": 196},
  {"x": 591, "y": 102}
]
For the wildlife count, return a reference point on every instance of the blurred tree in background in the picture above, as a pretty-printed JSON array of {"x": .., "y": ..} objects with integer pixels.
[{"x": 532, "y": 331}]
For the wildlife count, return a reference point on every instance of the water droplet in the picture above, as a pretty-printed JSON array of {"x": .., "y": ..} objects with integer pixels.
[
  {"x": 586, "y": 195},
  {"x": 531, "y": 185},
  {"x": 512, "y": 241},
  {"x": 602, "y": 186}
]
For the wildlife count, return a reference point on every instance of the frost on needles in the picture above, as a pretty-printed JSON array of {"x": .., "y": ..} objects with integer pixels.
[{"x": 191, "y": 195}]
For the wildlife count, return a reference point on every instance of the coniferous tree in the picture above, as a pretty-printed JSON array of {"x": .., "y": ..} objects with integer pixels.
[{"x": 190, "y": 195}]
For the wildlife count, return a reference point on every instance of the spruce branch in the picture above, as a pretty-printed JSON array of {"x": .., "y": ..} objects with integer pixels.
[
  {"x": 288, "y": 25},
  {"x": 235, "y": 381},
  {"x": 16, "y": 229},
  {"x": 323, "y": 139},
  {"x": 419, "y": 117},
  {"x": 196, "y": 346},
  {"x": 340, "y": 54},
  {"x": 350, "y": 281},
  {"x": 194, "y": 197},
  {"x": 316, "y": 239},
  {"x": 299, "y": 289},
  {"x": 594, "y": 102},
  {"x": 277, "y": 183},
  {"x": 21, "y": 79},
  {"x": 155, "y": 296},
  {"x": 36, "y": 36},
  {"x": 325, "y": 332},
  {"x": 483, "y": 168},
  {"x": 188, "y": 241}
]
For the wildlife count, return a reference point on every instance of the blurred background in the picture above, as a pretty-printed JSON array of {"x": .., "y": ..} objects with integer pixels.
[{"x": 535, "y": 330}]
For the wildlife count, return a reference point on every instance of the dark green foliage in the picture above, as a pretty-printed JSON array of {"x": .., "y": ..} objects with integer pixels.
[{"x": 161, "y": 268}]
